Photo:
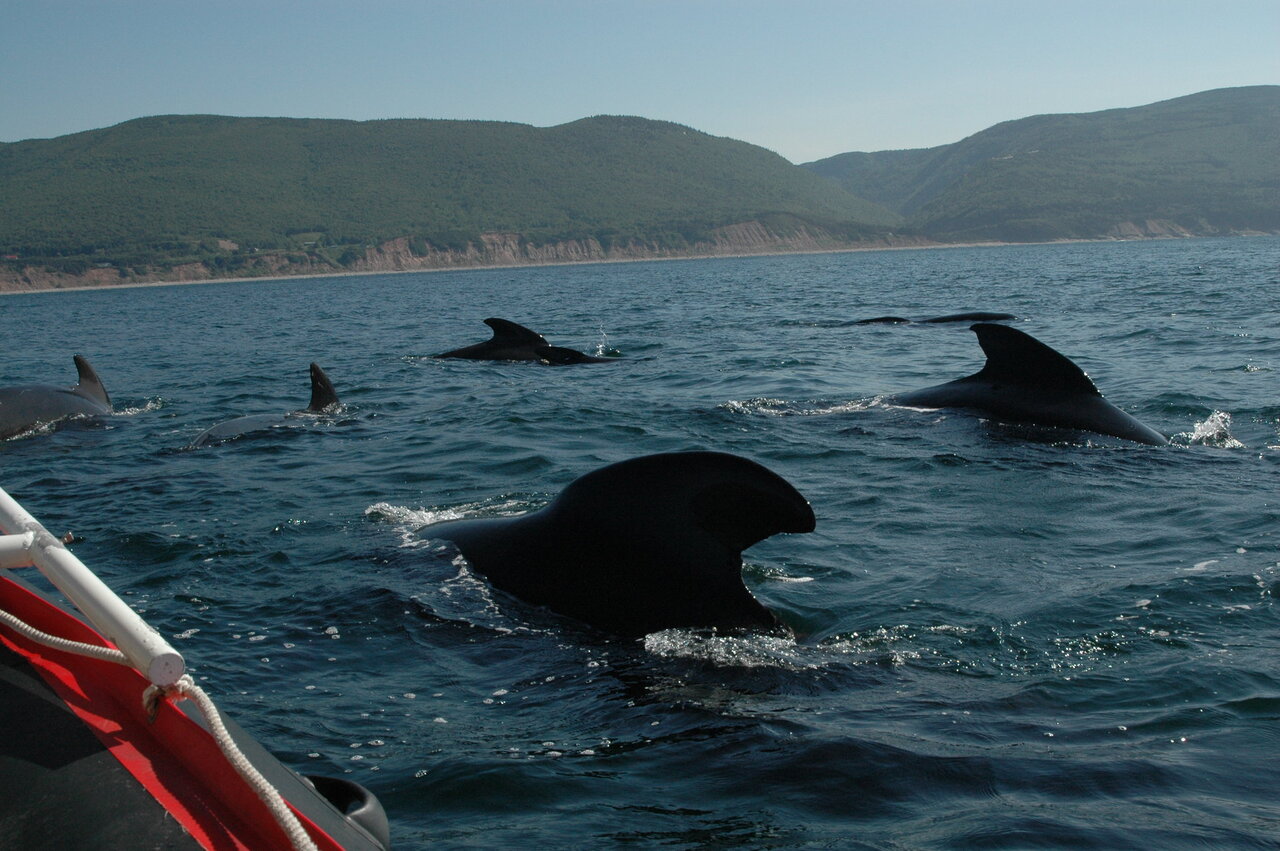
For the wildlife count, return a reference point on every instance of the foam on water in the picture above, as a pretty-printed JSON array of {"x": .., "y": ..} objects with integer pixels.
[{"x": 1214, "y": 430}]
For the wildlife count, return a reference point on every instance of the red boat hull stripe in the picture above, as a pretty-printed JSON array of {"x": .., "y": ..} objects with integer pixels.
[{"x": 174, "y": 758}]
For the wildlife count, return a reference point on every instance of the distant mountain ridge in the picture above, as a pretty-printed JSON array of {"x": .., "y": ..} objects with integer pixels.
[
  {"x": 197, "y": 196},
  {"x": 322, "y": 194},
  {"x": 1201, "y": 164}
]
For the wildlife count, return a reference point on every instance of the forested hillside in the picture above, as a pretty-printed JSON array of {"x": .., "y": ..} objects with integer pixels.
[
  {"x": 219, "y": 190},
  {"x": 191, "y": 197},
  {"x": 1202, "y": 164}
]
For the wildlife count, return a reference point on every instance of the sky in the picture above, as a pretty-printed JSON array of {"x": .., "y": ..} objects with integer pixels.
[{"x": 807, "y": 79}]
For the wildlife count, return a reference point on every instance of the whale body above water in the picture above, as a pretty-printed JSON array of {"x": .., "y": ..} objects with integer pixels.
[
  {"x": 25, "y": 406},
  {"x": 974, "y": 316},
  {"x": 1025, "y": 381},
  {"x": 643, "y": 545},
  {"x": 323, "y": 397},
  {"x": 518, "y": 343}
]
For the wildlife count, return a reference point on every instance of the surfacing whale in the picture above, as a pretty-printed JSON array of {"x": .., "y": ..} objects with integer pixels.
[
  {"x": 323, "y": 396},
  {"x": 25, "y": 406},
  {"x": 643, "y": 545},
  {"x": 1025, "y": 381},
  {"x": 516, "y": 342},
  {"x": 974, "y": 316}
]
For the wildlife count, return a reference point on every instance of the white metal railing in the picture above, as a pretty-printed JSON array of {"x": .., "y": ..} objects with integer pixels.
[{"x": 26, "y": 543}]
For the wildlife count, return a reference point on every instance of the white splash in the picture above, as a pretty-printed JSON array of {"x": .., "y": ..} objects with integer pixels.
[
  {"x": 602, "y": 347},
  {"x": 401, "y": 515},
  {"x": 1214, "y": 431},
  {"x": 781, "y": 408},
  {"x": 744, "y": 651},
  {"x": 894, "y": 644}
]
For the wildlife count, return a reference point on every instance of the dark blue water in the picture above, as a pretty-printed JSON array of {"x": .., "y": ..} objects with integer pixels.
[{"x": 1014, "y": 638}]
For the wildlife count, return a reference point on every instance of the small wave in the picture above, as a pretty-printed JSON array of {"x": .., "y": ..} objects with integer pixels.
[
  {"x": 465, "y": 598},
  {"x": 35, "y": 431},
  {"x": 401, "y": 515},
  {"x": 741, "y": 651},
  {"x": 781, "y": 408},
  {"x": 84, "y": 421},
  {"x": 146, "y": 407},
  {"x": 784, "y": 652},
  {"x": 1214, "y": 431},
  {"x": 775, "y": 574},
  {"x": 407, "y": 521},
  {"x": 330, "y": 414}
]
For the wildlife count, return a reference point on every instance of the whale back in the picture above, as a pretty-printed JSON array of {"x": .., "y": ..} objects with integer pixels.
[
  {"x": 1025, "y": 381},
  {"x": 323, "y": 397},
  {"x": 561, "y": 356},
  {"x": 510, "y": 341}
]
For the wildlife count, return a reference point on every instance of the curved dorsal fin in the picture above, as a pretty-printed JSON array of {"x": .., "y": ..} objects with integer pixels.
[
  {"x": 1018, "y": 358},
  {"x": 642, "y": 545},
  {"x": 322, "y": 393},
  {"x": 732, "y": 499},
  {"x": 507, "y": 332},
  {"x": 90, "y": 385}
]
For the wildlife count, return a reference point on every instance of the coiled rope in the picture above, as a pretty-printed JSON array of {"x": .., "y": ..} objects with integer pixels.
[{"x": 184, "y": 688}]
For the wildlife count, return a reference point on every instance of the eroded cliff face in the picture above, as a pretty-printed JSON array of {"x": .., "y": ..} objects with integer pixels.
[
  {"x": 1149, "y": 229},
  {"x": 36, "y": 278},
  {"x": 493, "y": 249},
  {"x": 510, "y": 249}
]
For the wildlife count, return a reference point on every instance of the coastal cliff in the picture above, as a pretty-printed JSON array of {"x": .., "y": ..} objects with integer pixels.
[{"x": 492, "y": 249}]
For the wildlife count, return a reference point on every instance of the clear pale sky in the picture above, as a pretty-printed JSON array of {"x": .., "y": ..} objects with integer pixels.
[{"x": 805, "y": 78}]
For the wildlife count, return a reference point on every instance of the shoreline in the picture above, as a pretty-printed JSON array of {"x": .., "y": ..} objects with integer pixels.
[
  {"x": 482, "y": 267},
  {"x": 603, "y": 261}
]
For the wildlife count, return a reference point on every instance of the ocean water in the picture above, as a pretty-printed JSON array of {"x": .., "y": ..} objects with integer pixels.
[{"x": 1011, "y": 637}]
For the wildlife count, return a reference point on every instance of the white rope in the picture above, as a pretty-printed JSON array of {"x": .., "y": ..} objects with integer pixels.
[
  {"x": 93, "y": 651},
  {"x": 185, "y": 687}
]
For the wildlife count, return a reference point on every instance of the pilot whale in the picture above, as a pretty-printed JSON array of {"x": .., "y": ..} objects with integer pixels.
[
  {"x": 974, "y": 316},
  {"x": 516, "y": 342},
  {"x": 323, "y": 397},
  {"x": 26, "y": 406},
  {"x": 1025, "y": 381},
  {"x": 643, "y": 545}
]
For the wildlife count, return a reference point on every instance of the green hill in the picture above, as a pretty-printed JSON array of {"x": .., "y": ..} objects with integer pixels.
[
  {"x": 201, "y": 196},
  {"x": 1202, "y": 164},
  {"x": 216, "y": 190}
]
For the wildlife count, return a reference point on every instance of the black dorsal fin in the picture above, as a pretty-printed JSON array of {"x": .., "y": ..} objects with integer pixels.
[
  {"x": 1018, "y": 358},
  {"x": 322, "y": 393},
  {"x": 90, "y": 385},
  {"x": 731, "y": 499},
  {"x": 509, "y": 333}
]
